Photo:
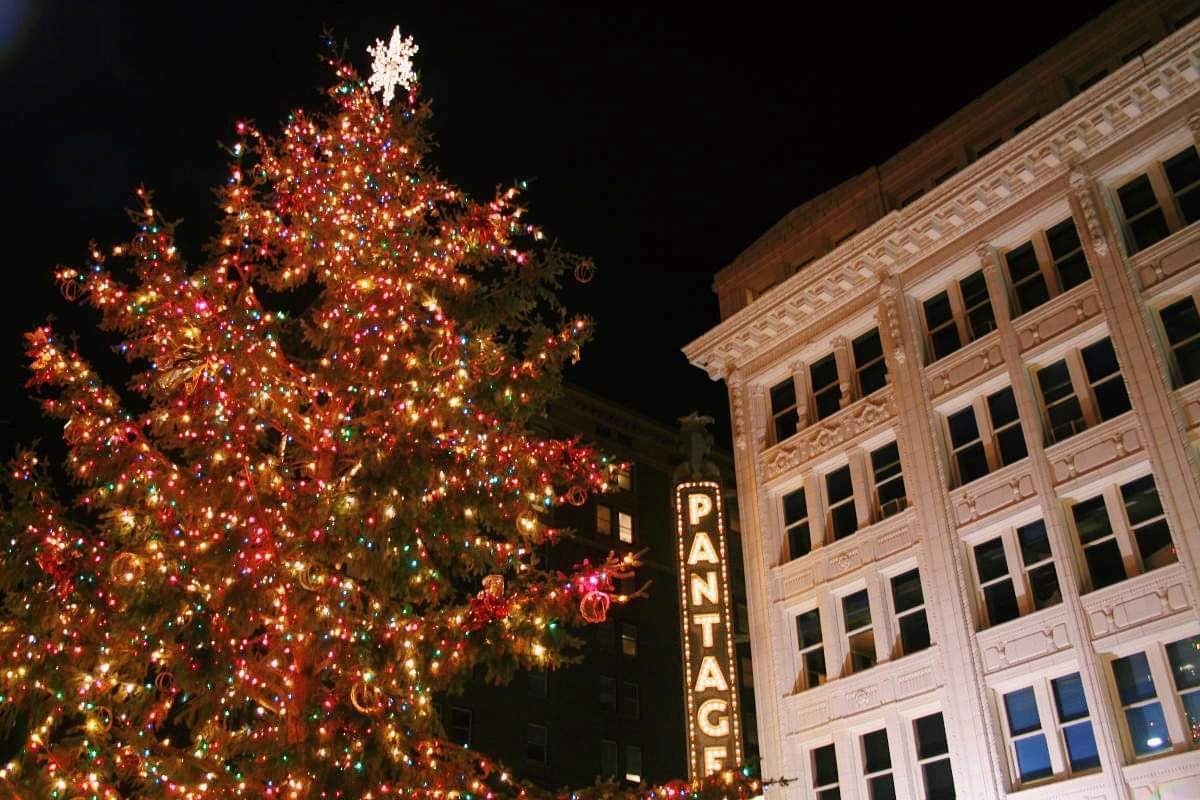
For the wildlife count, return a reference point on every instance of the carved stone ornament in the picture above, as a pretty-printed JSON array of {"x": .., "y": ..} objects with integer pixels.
[
  {"x": 1081, "y": 189},
  {"x": 889, "y": 294},
  {"x": 817, "y": 439}
]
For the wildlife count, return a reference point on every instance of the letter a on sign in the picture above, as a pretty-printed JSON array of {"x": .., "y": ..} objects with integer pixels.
[
  {"x": 702, "y": 550},
  {"x": 710, "y": 676}
]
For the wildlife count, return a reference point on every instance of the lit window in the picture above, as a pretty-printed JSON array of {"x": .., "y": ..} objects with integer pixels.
[
  {"x": 629, "y": 639},
  {"x": 1184, "y": 659},
  {"x": 869, "y": 363},
  {"x": 603, "y": 520},
  {"x": 624, "y": 481},
  {"x": 536, "y": 743},
  {"x": 1074, "y": 723},
  {"x": 1162, "y": 200},
  {"x": 1140, "y": 538},
  {"x": 1032, "y": 711},
  {"x": 826, "y": 390},
  {"x": 812, "y": 653},
  {"x": 795, "y": 523},
  {"x": 1144, "y": 720},
  {"x": 631, "y": 707},
  {"x": 1181, "y": 324},
  {"x": 459, "y": 729},
  {"x": 1048, "y": 264},
  {"x": 933, "y": 754},
  {"x": 1090, "y": 373},
  {"x": 908, "y": 601},
  {"x": 825, "y": 773},
  {"x": 877, "y": 766},
  {"x": 783, "y": 409},
  {"x": 625, "y": 526},
  {"x": 890, "y": 495},
  {"x": 608, "y": 758},
  {"x": 839, "y": 490},
  {"x": 860, "y": 635},
  {"x": 633, "y": 763}
]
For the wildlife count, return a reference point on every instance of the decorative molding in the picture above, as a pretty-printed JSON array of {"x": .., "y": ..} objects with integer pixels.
[
  {"x": 1136, "y": 602},
  {"x": 1024, "y": 639},
  {"x": 1091, "y": 450},
  {"x": 992, "y": 494},
  {"x": 1090, "y": 227},
  {"x": 959, "y": 369},
  {"x": 839, "y": 429},
  {"x": 1065, "y": 313},
  {"x": 737, "y": 407}
]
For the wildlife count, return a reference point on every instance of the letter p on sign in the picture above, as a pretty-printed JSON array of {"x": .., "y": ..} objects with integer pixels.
[{"x": 699, "y": 507}]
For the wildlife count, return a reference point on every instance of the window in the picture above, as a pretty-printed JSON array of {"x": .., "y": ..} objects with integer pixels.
[
  {"x": 839, "y": 491},
  {"x": 1074, "y": 723},
  {"x": 908, "y": 601},
  {"x": 1038, "y": 563},
  {"x": 1181, "y": 323},
  {"x": 1144, "y": 720},
  {"x": 746, "y": 670},
  {"x": 812, "y": 653},
  {"x": 608, "y": 758},
  {"x": 860, "y": 636},
  {"x": 459, "y": 729},
  {"x": 536, "y": 743},
  {"x": 877, "y": 766},
  {"x": 796, "y": 523},
  {"x": 631, "y": 707},
  {"x": 1081, "y": 390},
  {"x": 629, "y": 639},
  {"x": 999, "y": 596},
  {"x": 603, "y": 520},
  {"x": 624, "y": 481},
  {"x": 985, "y": 436},
  {"x": 962, "y": 313},
  {"x": 1042, "y": 721},
  {"x": 827, "y": 391},
  {"x": 1007, "y": 438},
  {"x": 606, "y": 691},
  {"x": 1162, "y": 200},
  {"x": 1031, "y": 755},
  {"x": 1139, "y": 679},
  {"x": 783, "y": 409},
  {"x": 625, "y": 527},
  {"x": 890, "y": 496},
  {"x": 970, "y": 457},
  {"x": 1048, "y": 264},
  {"x": 869, "y": 363},
  {"x": 825, "y": 773},
  {"x": 604, "y": 634},
  {"x": 539, "y": 683},
  {"x": 1184, "y": 659},
  {"x": 633, "y": 763},
  {"x": 1139, "y": 538},
  {"x": 933, "y": 754}
]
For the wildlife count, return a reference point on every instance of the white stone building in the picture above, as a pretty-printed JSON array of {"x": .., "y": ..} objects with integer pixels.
[{"x": 965, "y": 392}]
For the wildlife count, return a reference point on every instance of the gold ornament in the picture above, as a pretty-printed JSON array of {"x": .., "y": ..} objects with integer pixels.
[
  {"x": 366, "y": 697},
  {"x": 585, "y": 270},
  {"x": 594, "y": 606},
  {"x": 441, "y": 357},
  {"x": 164, "y": 681},
  {"x": 310, "y": 578},
  {"x": 577, "y": 495},
  {"x": 493, "y": 585},
  {"x": 128, "y": 568},
  {"x": 527, "y": 522}
]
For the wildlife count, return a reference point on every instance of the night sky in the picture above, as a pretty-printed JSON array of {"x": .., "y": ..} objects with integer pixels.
[{"x": 659, "y": 142}]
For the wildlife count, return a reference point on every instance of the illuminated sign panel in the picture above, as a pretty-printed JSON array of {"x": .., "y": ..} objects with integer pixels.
[{"x": 713, "y": 723}]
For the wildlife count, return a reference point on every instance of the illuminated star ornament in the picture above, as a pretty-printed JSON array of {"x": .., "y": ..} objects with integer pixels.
[{"x": 393, "y": 65}]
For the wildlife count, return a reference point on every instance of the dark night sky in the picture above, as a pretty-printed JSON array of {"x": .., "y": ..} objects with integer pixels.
[{"x": 660, "y": 142}]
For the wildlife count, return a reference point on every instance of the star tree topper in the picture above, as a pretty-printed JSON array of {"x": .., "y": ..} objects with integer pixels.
[{"x": 392, "y": 65}]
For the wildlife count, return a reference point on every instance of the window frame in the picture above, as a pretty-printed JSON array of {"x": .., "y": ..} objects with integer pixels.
[
  {"x": 1022, "y": 585},
  {"x": 988, "y": 434},
  {"x": 877, "y": 509},
  {"x": 1169, "y": 349},
  {"x": 1047, "y": 266},
  {"x": 888, "y": 772},
  {"x": 530, "y": 727},
  {"x": 797, "y": 525},
  {"x": 1166, "y": 200},
  {"x": 1166, "y": 693},
  {"x": 830, "y": 506},
  {"x": 604, "y": 512},
  {"x": 960, "y": 314},
  {"x": 802, "y": 650},
  {"x": 777, "y": 414},
  {"x": 625, "y": 527},
  {"x": 627, "y": 650},
  {"x": 859, "y": 369},
  {"x": 896, "y": 616},
  {"x": 846, "y": 634},
  {"x": 470, "y": 724},
  {"x": 821, "y": 791},
  {"x": 923, "y": 762},
  {"x": 1081, "y": 388},
  {"x": 1051, "y": 726}
]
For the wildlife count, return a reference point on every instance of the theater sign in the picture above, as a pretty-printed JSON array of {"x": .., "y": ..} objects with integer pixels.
[{"x": 714, "y": 722}]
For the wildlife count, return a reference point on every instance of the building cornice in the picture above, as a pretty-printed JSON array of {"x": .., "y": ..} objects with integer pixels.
[{"x": 1167, "y": 76}]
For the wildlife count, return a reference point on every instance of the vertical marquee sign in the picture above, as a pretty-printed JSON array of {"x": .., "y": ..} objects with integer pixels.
[{"x": 713, "y": 721}]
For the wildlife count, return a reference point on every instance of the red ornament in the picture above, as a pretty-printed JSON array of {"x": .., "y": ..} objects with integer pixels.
[{"x": 594, "y": 606}]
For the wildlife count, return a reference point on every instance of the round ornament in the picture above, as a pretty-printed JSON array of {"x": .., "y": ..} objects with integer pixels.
[
  {"x": 585, "y": 270},
  {"x": 594, "y": 606},
  {"x": 104, "y": 717},
  {"x": 441, "y": 357},
  {"x": 527, "y": 522},
  {"x": 577, "y": 495},
  {"x": 493, "y": 586},
  {"x": 366, "y": 697},
  {"x": 164, "y": 681},
  {"x": 310, "y": 578},
  {"x": 127, "y": 568}
]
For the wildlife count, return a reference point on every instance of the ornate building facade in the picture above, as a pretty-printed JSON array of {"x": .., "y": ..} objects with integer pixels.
[{"x": 965, "y": 392}]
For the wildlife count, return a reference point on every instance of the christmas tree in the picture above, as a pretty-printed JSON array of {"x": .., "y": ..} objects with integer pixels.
[{"x": 317, "y": 503}]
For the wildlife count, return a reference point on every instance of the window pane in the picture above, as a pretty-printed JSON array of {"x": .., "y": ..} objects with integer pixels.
[
  {"x": 814, "y": 668},
  {"x": 799, "y": 540},
  {"x": 1184, "y": 656},
  {"x": 1155, "y": 545},
  {"x": 972, "y": 462},
  {"x": 1134, "y": 681},
  {"x": 882, "y": 788},
  {"x": 783, "y": 396},
  {"x": 1010, "y": 442},
  {"x": 828, "y": 401},
  {"x": 838, "y": 485},
  {"x": 939, "y": 780},
  {"x": 873, "y": 377},
  {"x": 824, "y": 372},
  {"x": 786, "y": 425},
  {"x": 1100, "y": 361},
  {"x": 795, "y": 507},
  {"x": 1043, "y": 584},
  {"x": 1034, "y": 544},
  {"x": 1141, "y": 500},
  {"x": 1028, "y": 281},
  {"x": 856, "y": 610},
  {"x": 1033, "y": 758},
  {"x": 1069, "y": 260},
  {"x": 1180, "y": 320},
  {"x": 808, "y": 628},
  {"x": 1136, "y": 196},
  {"x": 1002, "y": 407},
  {"x": 1091, "y": 519},
  {"x": 825, "y": 769},
  {"x": 844, "y": 520},
  {"x": 1063, "y": 238},
  {"x": 867, "y": 348},
  {"x": 1032, "y": 294},
  {"x": 1105, "y": 564},
  {"x": 1022, "y": 711},
  {"x": 1182, "y": 170},
  {"x": 963, "y": 427},
  {"x": 1001, "y": 602},
  {"x": 1147, "y": 729},
  {"x": 1148, "y": 229},
  {"x": 876, "y": 754},
  {"x": 1069, "y": 700},
  {"x": 1191, "y": 706},
  {"x": 990, "y": 560},
  {"x": 906, "y": 591},
  {"x": 885, "y": 462},
  {"x": 914, "y": 632},
  {"x": 980, "y": 318},
  {"x": 862, "y": 650},
  {"x": 1081, "y": 747},
  {"x": 1022, "y": 262},
  {"x": 931, "y": 736}
]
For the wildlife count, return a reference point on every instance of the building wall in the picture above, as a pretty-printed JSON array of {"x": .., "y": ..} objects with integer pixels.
[
  {"x": 985, "y": 491},
  {"x": 567, "y": 703}
]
